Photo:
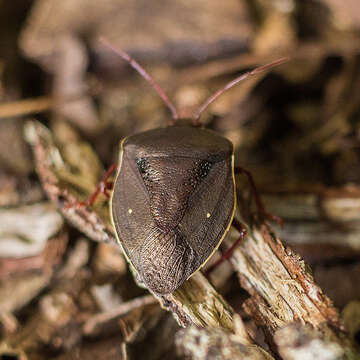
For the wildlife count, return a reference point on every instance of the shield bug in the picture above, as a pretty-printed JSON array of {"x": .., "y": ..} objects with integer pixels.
[{"x": 174, "y": 195}]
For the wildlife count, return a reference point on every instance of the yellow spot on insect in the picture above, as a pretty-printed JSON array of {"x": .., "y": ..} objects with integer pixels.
[
  {"x": 208, "y": 215},
  {"x": 130, "y": 211}
]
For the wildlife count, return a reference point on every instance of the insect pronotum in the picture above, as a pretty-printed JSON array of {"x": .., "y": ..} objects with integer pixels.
[{"x": 174, "y": 195}]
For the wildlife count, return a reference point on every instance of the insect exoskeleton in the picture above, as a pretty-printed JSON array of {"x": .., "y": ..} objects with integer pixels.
[{"x": 173, "y": 201}]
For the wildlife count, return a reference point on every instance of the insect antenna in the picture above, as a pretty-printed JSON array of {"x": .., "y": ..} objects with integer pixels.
[
  {"x": 197, "y": 114},
  {"x": 145, "y": 75}
]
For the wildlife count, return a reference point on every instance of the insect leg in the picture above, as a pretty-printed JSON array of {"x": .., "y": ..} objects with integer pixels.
[
  {"x": 259, "y": 204},
  {"x": 102, "y": 188},
  {"x": 228, "y": 253}
]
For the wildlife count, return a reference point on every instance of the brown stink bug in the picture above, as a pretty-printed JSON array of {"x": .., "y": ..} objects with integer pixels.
[{"x": 174, "y": 195}]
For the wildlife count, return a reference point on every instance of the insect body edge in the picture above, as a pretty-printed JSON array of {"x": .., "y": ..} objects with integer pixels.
[{"x": 173, "y": 202}]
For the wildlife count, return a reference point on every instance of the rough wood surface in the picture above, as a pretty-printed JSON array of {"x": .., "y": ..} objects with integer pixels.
[{"x": 281, "y": 286}]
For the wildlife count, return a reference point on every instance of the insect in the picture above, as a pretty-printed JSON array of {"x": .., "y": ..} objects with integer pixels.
[{"x": 174, "y": 194}]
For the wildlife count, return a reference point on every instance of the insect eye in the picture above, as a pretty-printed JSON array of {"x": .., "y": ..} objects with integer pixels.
[
  {"x": 204, "y": 168},
  {"x": 142, "y": 165}
]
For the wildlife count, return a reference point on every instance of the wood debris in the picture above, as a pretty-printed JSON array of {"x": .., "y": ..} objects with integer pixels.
[{"x": 66, "y": 291}]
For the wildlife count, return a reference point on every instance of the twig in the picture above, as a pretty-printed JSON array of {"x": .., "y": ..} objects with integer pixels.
[
  {"x": 282, "y": 289},
  {"x": 26, "y": 107}
]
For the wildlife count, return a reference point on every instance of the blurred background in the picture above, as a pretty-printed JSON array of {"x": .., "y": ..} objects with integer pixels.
[{"x": 296, "y": 128}]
